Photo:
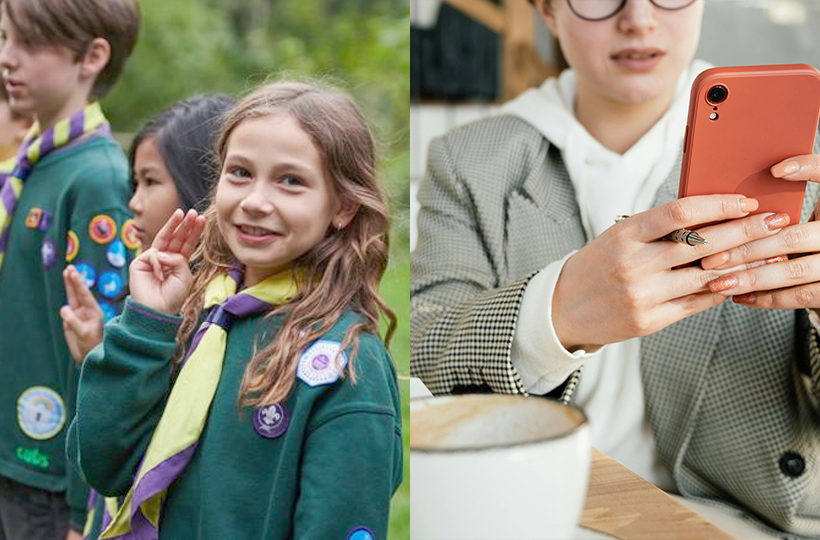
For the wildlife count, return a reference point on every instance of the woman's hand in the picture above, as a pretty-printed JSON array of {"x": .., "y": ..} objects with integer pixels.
[
  {"x": 82, "y": 317},
  {"x": 161, "y": 277},
  {"x": 626, "y": 283},
  {"x": 794, "y": 281}
]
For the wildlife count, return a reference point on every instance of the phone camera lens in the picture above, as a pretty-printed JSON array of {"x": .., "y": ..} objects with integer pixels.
[{"x": 717, "y": 94}]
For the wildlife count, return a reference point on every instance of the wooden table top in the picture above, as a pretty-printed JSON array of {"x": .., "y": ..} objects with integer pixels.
[{"x": 623, "y": 505}]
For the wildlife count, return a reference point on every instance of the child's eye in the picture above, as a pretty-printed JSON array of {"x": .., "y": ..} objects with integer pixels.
[
  {"x": 150, "y": 182},
  {"x": 240, "y": 172},
  {"x": 291, "y": 180}
]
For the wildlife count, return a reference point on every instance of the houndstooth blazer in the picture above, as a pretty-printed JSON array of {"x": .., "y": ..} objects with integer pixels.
[{"x": 731, "y": 393}]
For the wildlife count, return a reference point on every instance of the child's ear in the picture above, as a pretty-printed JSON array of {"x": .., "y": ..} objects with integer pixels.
[
  {"x": 344, "y": 215},
  {"x": 96, "y": 57}
]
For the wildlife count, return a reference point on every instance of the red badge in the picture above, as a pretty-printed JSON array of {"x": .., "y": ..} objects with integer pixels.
[
  {"x": 102, "y": 229},
  {"x": 129, "y": 235},
  {"x": 72, "y": 246},
  {"x": 33, "y": 218}
]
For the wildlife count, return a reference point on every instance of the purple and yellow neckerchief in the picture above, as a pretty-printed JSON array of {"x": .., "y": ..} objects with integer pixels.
[
  {"x": 176, "y": 436},
  {"x": 35, "y": 146}
]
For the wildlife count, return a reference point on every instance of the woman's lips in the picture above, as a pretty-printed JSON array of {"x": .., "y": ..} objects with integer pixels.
[{"x": 638, "y": 60}]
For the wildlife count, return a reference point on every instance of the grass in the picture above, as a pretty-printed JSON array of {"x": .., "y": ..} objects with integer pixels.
[{"x": 395, "y": 289}]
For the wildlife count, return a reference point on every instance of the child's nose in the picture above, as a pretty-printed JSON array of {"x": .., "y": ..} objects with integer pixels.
[
  {"x": 257, "y": 202},
  {"x": 135, "y": 204}
]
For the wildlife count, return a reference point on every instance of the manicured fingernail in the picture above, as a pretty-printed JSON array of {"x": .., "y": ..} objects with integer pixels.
[
  {"x": 779, "y": 258},
  {"x": 748, "y": 205},
  {"x": 715, "y": 261},
  {"x": 787, "y": 167},
  {"x": 777, "y": 221},
  {"x": 748, "y": 298},
  {"x": 723, "y": 283}
]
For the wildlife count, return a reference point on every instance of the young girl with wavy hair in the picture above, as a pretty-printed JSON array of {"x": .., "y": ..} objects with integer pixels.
[{"x": 255, "y": 399}]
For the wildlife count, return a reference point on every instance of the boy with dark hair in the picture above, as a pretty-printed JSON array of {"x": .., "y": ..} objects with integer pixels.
[{"x": 64, "y": 202}]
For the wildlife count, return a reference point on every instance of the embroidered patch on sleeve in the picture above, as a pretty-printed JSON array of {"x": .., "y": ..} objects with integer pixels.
[
  {"x": 72, "y": 246},
  {"x": 33, "y": 217},
  {"x": 317, "y": 364},
  {"x": 41, "y": 413},
  {"x": 110, "y": 284},
  {"x": 49, "y": 253},
  {"x": 361, "y": 533},
  {"x": 102, "y": 228},
  {"x": 88, "y": 274},
  {"x": 116, "y": 254},
  {"x": 130, "y": 237}
]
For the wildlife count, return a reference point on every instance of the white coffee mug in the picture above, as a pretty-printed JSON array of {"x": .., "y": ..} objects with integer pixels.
[{"x": 492, "y": 466}]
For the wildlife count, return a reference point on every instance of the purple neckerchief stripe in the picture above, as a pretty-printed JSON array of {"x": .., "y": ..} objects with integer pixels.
[
  {"x": 241, "y": 305},
  {"x": 47, "y": 144},
  {"x": 4, "y": 237},
  {"x": 141, "y": 529},
  {"x": 9, "y": 200},
  {"x": 154, "y": 481},
  {"x": 75, "y": 126},
  {"x": 161, "y": 476},
  {"x": 223, "y": 314}
]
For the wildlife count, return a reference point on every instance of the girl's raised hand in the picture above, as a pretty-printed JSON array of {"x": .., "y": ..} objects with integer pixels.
[
  {"x": 793, "y": 281},
  {"x": 161, "y": 277},
  {"x": 82, "y": 317}
]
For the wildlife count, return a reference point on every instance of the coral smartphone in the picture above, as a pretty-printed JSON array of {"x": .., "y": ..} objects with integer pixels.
[{"x": 743, "y": 120}]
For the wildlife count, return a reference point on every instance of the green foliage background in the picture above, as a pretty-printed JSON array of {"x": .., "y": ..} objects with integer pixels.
[{"x": 188, "y": 47}]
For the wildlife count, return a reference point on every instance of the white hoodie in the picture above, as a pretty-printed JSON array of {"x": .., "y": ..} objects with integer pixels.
[{"x": 606, "y": 184}]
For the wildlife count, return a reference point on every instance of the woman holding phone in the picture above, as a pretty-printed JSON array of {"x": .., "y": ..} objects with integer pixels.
[{"x": 522, "y": 278}]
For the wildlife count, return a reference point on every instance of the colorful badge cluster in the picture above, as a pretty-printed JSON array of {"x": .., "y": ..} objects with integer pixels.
[{"x": 102, "y": 230}]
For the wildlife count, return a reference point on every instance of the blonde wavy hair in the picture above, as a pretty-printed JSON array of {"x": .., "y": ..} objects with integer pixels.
[{"x": 341, "y": 272}]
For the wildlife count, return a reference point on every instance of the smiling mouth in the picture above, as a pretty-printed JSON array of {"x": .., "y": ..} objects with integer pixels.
[{"x": 254, "y": 231}]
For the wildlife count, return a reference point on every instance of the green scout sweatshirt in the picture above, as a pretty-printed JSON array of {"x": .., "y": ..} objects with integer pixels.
[
  {"x": 72, "y": 209},
  {"x": 328, "y": 471}
]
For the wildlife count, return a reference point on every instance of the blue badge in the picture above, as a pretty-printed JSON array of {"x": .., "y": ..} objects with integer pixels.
[
  {"x": 110, "y": 284},
  {"x": 88, "y": 274},
  {"x": 361, "y": 533},
  {"x": 40, "y": 412},
  {"x": 271, "y": 421},
  {"x": 317, "y": 365},
  {"x": 108, "y": 311},
  {"x": 116, "y": 254},
  {"x": 49, "y": 253}
]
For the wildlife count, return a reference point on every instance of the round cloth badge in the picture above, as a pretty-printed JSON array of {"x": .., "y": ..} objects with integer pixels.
[
  {"x": 108, "y": 311},
  {"x": 317, "y": 365},
  {"x": 49, "y": 253},
  {"x": 40, "y": 412},
  {"x": 110, "y": 284},
  {"x": 271, "y": 421},
  {"x": 361, "y": 533},
  {"x": 72, "y": 246},
  {"x": 102, "y": 228},
  {"x": 130, "y": 235},
  {"x": 116, "y": 254},
  {"x": 33, "y": 217},
  {"x": 88, "y": 274}
]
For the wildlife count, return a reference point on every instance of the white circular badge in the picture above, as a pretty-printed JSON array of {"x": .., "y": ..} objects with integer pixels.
[
  {"x": 40, "y": 412},
  {"x": 318, "y": 364}
]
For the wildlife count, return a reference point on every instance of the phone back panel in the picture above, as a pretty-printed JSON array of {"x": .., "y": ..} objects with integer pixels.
[{"x": 770, "y": 113}]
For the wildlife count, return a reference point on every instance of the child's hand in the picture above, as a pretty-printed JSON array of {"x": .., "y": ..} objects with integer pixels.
[
  {"x": 160, "y": 277},
  {"x": 82, "y": 317}
]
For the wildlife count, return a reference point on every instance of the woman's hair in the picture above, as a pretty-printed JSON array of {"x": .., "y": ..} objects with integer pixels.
[
  {"x": 342, "y": 271},
  {"x": 185, "y": 134}
]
